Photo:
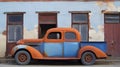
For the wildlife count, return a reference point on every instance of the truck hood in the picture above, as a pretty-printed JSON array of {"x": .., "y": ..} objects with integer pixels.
[{"x": 24, "y": 41}]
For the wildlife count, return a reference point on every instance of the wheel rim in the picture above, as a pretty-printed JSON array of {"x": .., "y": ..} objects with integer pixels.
[
  {"x": 88, "y": 58},
  {"x": 22, "y": 57}
]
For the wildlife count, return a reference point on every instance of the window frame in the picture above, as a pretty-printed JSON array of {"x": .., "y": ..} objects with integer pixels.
[
  {"x": 80, "y": 22},
  {"x": 112, "y": 13},
  {"x": 55, "y": 13},
  {"x": 54, "y": 38},
  {"x": 84, "y": 23},
  {"x": 18, "y": 23},
  {"x": 70, "y": 40},
  {"x": 14, "y": 23}
]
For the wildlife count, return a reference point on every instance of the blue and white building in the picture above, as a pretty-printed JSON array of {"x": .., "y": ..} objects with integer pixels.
[{"x": 96, "y": 20}]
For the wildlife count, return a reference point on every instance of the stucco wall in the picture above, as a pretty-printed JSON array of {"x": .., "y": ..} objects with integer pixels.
[
  {"x": 96, "y": 31},
  {"x": 2, "y": 45}
]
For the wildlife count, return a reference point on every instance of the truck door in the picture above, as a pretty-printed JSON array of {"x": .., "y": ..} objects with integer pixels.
[
  {"x": 53, "y": 46},
  {"x": 71, "y": 45}
]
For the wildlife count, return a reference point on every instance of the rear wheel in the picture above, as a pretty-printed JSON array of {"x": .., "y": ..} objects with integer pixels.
[
  {"x": 22, "y": 57},
  {"x": 88, "y": 58}
]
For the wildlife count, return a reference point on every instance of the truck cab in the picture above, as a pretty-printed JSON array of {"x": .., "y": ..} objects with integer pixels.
[{"x": 58, "y": 44}]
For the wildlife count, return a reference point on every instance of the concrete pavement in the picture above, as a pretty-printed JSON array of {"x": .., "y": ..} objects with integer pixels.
[
  {"x": 108, "y": 61},
  {"x": 8, "y": 65}
]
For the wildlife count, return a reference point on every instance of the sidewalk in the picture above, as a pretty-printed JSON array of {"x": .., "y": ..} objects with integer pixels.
[
  {"x": 108, "y": 60},
  {"x": 7, "y": 60}
]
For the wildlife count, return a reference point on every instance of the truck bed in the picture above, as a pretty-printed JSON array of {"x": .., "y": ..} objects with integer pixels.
[{"x": 100, "y": 45}]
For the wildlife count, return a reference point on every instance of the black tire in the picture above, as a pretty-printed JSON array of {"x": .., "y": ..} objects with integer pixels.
[
  {"x": 88, "y": 58},
  {"x": 22, "y": 57}
]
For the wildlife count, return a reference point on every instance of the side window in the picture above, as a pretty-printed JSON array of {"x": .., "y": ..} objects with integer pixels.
[
  {"x": 70, "y": 36},
  {"x": 54, "y": 35}
]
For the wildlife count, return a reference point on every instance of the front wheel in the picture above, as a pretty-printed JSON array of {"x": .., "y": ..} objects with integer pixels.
[
  {"x": 22, "y": 57},
  {"x": 88, "y": 58}
]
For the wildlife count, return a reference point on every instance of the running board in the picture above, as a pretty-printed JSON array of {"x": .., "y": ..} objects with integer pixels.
[{"x": 59, "y": 58}]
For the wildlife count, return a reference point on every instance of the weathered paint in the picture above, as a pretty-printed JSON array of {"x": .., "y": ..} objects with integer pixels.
[
  {"x": 96, "y": 31},
  {"x": 31, "y": 33},
  {"x": 17, "y": 48},
  {"x": 71, "y": 49},
  {"x": 100, "y": 45},
  {"x": 113, "y": 39},
  {"x": 24, "y": 41},
  {"x": 2, "y": 45},
  {"x": 53, "y": 49},
  {"x": 42, "y": 48},
  {"x": 35, "y": 54},
  {"x": 96, "y": 51},
  {"x": 60, "y": 50},
  {"x": 96, "y": 35}
]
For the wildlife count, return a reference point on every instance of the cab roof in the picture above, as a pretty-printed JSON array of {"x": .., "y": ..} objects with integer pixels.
[
  {"x": 78, "y": 35},
  {"x": 63, "y": 29}
]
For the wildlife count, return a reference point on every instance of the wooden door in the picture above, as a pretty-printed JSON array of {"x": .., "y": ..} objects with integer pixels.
[
  {"x": 14, "y": 30},
  {"x": 112, "y": 36},
  {"x": 116, "y": 40},
  {"x": 112, "y": 33}
]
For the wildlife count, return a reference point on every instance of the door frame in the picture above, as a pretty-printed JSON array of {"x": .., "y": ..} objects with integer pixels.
[
  {"x": 111, "y": 25},
  {"x": 46, "y": 13},
  {"x": 13, "y": 43}
]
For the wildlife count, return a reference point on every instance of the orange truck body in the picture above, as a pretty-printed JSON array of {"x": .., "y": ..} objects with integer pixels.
[{"x": 66, "y": 45}]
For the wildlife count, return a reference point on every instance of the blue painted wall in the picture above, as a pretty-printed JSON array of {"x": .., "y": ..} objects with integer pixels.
[{"x": 64, "y": 16}]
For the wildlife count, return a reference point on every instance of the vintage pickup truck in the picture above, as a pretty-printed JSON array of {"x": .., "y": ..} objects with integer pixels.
[{"x": 59, "y": 44}]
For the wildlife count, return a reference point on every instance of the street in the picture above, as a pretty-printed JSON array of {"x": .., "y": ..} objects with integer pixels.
[{"x": 63, "y": 64}]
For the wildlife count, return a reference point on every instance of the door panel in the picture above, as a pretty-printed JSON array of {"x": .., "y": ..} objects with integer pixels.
[
  {"x": 9, "y": 47},
  {"x": 71, "y": 49},
  {"x": 116, "y": 38},
  {"x": 15, "y": 33},
  {"x": 14, "y": 30},
  {"x": 109, "y": 38},
  {"x": 112, "y": 36},
  {"x": 53, "y": 49}
]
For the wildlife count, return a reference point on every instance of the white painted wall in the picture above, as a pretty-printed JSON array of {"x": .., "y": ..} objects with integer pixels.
[{"x": 63, "y": 19}]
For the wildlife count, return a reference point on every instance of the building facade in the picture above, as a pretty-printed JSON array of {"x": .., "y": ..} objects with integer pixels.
[{"x": 96, "y": 20}]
